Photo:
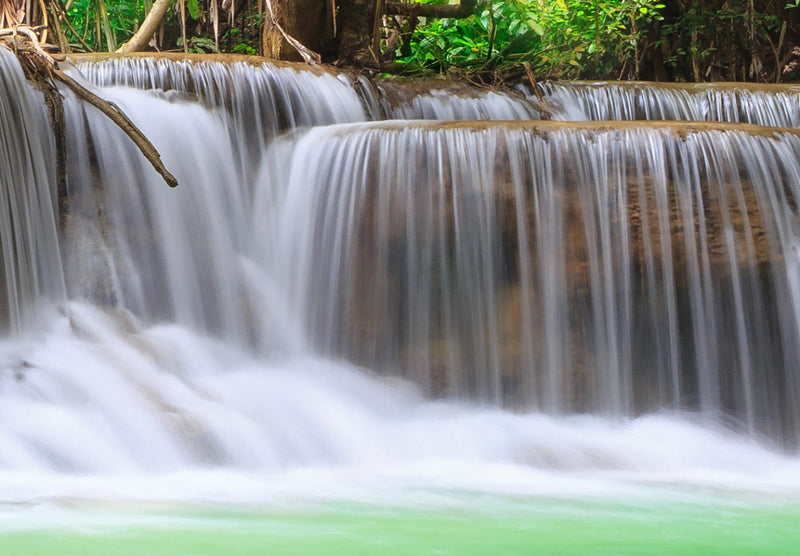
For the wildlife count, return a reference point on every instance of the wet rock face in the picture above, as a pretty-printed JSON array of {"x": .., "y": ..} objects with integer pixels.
[{"x": 612, "y": 270}]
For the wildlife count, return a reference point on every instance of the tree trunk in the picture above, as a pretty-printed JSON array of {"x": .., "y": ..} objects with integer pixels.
[
  {"x": 141, "y": 38},
  {"x": 303, "y": 20},
  {"x": 356, "y": 22}
]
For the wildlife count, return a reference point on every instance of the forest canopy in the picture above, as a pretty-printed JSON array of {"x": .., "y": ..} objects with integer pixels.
[{"x": 679, "y": 40}]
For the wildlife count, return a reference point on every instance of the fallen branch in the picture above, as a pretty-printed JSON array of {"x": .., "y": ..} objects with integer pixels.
[
  {"x": 123, "y": 122},
  {"x": 536, "y": 90},
  {"x": 48, "y": 68}
]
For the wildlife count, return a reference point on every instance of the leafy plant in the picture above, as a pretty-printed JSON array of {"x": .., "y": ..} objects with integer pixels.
[
  {"x": 567, "y": 38},
  {"x": 102, "y": 24},
  {"x": 199, "y": 45}
]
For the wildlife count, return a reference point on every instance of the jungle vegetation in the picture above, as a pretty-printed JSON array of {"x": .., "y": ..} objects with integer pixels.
[{"x": 677, "y": 40}]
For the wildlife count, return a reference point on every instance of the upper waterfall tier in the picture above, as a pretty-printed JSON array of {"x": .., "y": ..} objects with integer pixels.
[
  {"x": 259, "y": 99},
  {"x": 767, "y": 105},
  {"x": 301, "y": 95},
  {"x": 276, "y": 96}
]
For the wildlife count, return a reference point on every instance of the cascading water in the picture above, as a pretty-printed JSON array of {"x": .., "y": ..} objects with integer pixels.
[
  {"x": 276, "y": 97},
  {"x": 569, "y": 269},
  {"x": 258, "y": 100},
  {"x": 579, "y": 275},
  {"x": 453, "y": 101},
  {"x": 30, "y": 268},
  {"x": 777, "y": 106}
]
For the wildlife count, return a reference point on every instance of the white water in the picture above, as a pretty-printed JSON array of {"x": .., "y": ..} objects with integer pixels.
[
  {"x": 182, "y": 368},
  {"x": 107, "y": 411},
  {"x": 29, "y": 253}
]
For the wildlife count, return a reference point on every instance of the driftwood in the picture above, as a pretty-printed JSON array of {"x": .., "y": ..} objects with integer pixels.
[{"x": 45, "y": 68}]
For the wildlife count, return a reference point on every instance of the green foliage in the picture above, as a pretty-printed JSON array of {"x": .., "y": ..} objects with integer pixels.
[
  {"x": 239, "y": 42},
  {"x": 199, "y": 45},
  {"x": 748, "y": 40},
  {"x": 193, "y": 8},
  {"x": 93, "y": 22},
  {"x": 564, "y": 38},
  {"x": 96, "y": 21},
  {"x": 684, "y": 40},
  {"x": 725, "y": 41}
]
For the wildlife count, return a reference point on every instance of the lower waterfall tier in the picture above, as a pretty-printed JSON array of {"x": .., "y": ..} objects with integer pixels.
[{"x": 592, "y": 268}]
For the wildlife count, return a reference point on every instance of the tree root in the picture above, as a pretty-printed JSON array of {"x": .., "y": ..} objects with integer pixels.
[{"x": 43, "y": 70}]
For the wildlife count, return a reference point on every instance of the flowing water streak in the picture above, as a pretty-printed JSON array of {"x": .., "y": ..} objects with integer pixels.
[
  {"x": 776, "y": 106},
  {"x": 31, "y": 263},
  {"x": 586, "y": 269},
  {"x": 272, "y": 97},
  {"x": 183, "y": 255}
]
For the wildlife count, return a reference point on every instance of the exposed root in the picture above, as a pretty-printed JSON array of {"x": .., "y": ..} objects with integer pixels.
[{"x": 42, "y": 69}]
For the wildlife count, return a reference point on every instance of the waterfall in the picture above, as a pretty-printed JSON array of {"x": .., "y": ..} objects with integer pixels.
[
  {"x": 409, "y": 100},
  {"x": 613, "y": 271},
  {"x": 31, "y": 266},
  {"x": 325, "y": 290},
  {"x": 273, "y": 97},
  {"x": 259, "y": 100},
  {"x": 766, "y": 105}
]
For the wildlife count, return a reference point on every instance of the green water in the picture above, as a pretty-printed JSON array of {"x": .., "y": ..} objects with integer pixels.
[{"x": 487, "y": 525}]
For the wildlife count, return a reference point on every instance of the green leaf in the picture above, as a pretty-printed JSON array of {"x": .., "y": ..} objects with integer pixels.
[
  {"x": 536, "y": 26},
  {"x": 522, "y": 43},
  {"x": 193, "y": 8}
]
